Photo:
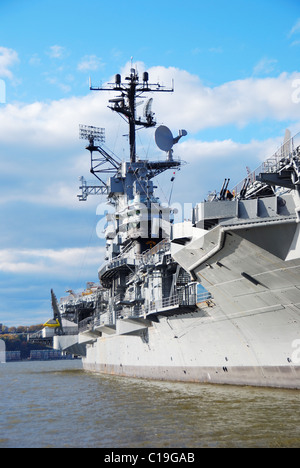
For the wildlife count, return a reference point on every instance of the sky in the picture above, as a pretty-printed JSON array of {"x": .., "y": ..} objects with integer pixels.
[{"x": 235, "y": 66}]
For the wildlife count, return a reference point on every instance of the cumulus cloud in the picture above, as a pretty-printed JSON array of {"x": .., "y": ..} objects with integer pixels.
[
  {"x": 29, "y": 274},
  {"x": 296, "y": 28},
  {"x": 57, "y": 52},
  {"x": 90, "y": 63},
  {"x": 50, "y": 124},
  {"x": 194, "y": 150},
  {"x": 8, "y": 58},
  {"x": 265, "y": 66},
  {"x": 236, "y": 103},
  {"x": 194, "y": 105},
  {"x": 209, "y": 162},
  {"x": 41, "y": 139},
  {"x": 294, "y": 33},
  {"x": 50, "y": 262},
  {"x": 40, "y": 151}
]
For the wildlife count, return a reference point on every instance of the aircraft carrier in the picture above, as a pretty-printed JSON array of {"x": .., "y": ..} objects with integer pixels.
[{"x": 215, "y": 299}]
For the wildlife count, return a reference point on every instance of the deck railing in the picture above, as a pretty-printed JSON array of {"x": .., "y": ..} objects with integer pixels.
[{"x": 272, "y": 164}]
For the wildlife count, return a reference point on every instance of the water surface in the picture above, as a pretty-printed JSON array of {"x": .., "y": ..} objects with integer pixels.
[{"x": 57, "y": 404}]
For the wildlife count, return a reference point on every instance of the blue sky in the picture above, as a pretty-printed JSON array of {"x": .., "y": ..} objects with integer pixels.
[{"x": 236, "y": 70}]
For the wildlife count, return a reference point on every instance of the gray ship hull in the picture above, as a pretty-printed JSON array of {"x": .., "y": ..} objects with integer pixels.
[
  {"x": 246, "y": 334},
  {"x": 197, "y": 350},
  {"x": 275, "y": 377}
]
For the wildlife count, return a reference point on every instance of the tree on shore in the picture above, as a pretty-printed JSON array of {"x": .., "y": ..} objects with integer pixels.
[{"x": 15, "y": 339}]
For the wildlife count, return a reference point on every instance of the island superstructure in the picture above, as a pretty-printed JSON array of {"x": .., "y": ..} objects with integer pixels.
[{"x": 213, "y": 299}]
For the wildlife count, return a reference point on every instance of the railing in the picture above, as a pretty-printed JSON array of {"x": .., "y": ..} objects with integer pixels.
[
  {"x": 89, "y": 323},
  {"x": 164, "y": 303},
  {"x": 70, "y": 330},
  {"x": 160, "y": 249},
  {"x": 177, "y": 301},
  {"x": 85, "y": 324},
  {"x": 174, "y": 301},
  {"x": 144, "y": 258},
  {"x": 104, "y": 319},
  {"x": 35, "y": 335},
  {"x": 272, "y": 164}
]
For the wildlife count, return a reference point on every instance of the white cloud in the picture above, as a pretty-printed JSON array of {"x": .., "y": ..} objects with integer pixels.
[
  {"x": 66, "y": 88},
  {"x": 216, "y": 50},
  {"x": 238, "y": 103},
  {"x": 35, "y": 60},
  {"x": 52, "y": 124},
  {"x": 296, "y": 28},
  {"x": 37, "y": 271},
  {"x": 195, "y": 150},
  {"x": 295, "y": 43},
  {"x": 40, "y": 151},
  {"x": 90, "y": 63},
  {"x": 39, "y": 142},
  {"x": 57, "y": 52},
  {"x": 50, "y": 262},
  {"x": 265, "y": 66},
  {"x": 194, "y": 105},
  {"x": 8, "y": 58},
  {"x": 209, "y": 162}
]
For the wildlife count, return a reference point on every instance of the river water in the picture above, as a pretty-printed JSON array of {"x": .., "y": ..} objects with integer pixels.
[{"x": 57, "y": 404}]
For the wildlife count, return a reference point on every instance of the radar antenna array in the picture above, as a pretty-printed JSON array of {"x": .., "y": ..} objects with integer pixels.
[
  {"x": 105, "y": 163},
  {"x": 88, "y": 132}
]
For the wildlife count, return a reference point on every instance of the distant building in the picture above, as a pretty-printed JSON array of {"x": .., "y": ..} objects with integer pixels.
[
  {"x": 47, "y": 355},
  {"x": 13, "y": 356}
]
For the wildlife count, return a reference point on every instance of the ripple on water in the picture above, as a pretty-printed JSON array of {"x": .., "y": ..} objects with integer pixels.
[{"x": 56, "y": 404}]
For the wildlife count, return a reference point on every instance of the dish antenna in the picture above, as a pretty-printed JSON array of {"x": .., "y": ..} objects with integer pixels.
[{"x": 165, "y": 140}]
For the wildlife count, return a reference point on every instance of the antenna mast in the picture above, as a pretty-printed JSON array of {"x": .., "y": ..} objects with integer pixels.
[
  {"x": 125, "y": 103},
  {"x": 104, "y": 161}
]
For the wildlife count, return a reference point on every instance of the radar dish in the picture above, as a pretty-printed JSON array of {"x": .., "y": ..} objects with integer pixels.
[
  {"x": 147, "y": 108},
  {"x": 164, "y": 138}
]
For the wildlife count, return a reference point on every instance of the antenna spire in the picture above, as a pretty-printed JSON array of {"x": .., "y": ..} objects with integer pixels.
[{"x": 125, "y": 103}]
